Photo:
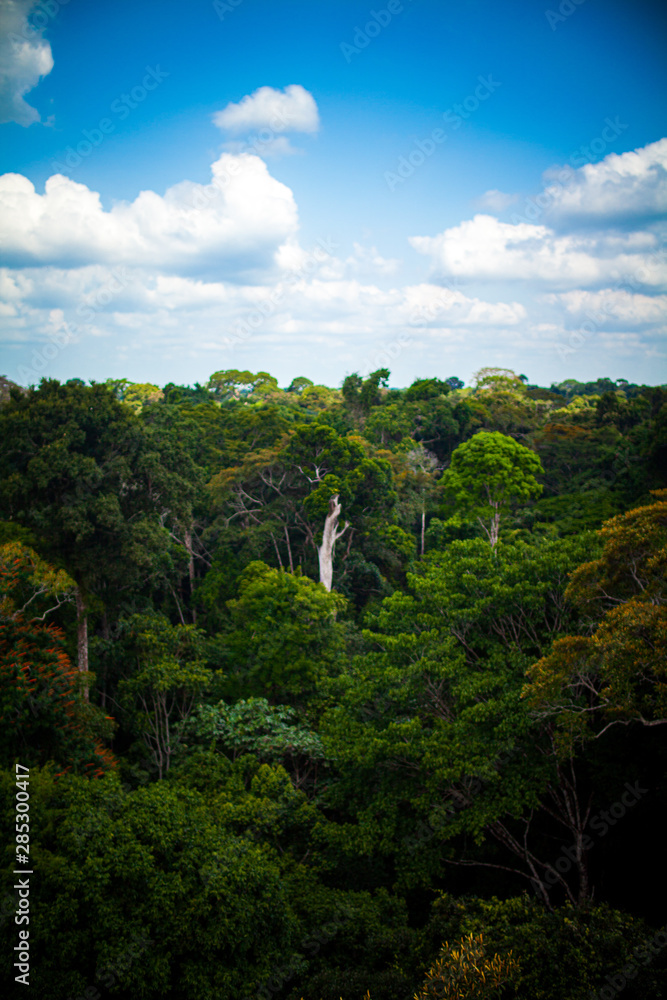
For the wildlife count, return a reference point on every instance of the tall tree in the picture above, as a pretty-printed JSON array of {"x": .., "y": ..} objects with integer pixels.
[
  {"x": 79, "y": 470},
  {"x": 488, "y": 474}
]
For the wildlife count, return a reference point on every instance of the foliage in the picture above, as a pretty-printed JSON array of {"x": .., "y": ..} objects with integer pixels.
[
  {"x": 42, "y": 715},
  {"x": 488, "y": 474},
  {"x": 618, "y": 674},
  {"x": 26, "y": 578},
  {"x": 570, "y": 952},
  {"x": 322, "y": 787},
  {"x": 284, "y": 635},
  {"x": 135, "y": 887},
  {"x": 171, "y": 676},
  {"x": 463, "y": 970},
  {"x": 271, "y": 733}
]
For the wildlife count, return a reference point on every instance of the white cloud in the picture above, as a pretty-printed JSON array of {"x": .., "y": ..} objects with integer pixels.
[
  {"x": 215, "y": 273},
  {"x": 100, "y": 301},
  {"x": 485, "y": 249},
  {"x": 615, "y": 305},
  {"x": 231, "y": 226},
  {"x": 431, "y": 305},
  {"x": 620, "y": 187},
  {"x": 25, "y": 57},
  {"x": 290, "y": 110}
]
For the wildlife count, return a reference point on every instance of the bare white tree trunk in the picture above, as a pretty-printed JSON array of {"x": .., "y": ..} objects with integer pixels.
[
  {"x": 330, "y": 535},
  {"x": 493, "y": 529}
]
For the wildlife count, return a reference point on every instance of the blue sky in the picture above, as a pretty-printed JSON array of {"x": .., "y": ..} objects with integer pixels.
[{"x": 446, "y": 186}]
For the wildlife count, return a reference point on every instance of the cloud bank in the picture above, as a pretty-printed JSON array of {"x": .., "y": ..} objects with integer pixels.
[{"x": 216, "y": 275}]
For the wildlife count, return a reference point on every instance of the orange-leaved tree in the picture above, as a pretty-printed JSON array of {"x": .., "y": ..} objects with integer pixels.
[
  {"x": 43, "y": 716},
  {"x": 617, "y": 673}
]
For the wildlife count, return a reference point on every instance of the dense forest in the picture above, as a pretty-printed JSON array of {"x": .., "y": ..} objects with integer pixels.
[{"x": 335, "y": 693}]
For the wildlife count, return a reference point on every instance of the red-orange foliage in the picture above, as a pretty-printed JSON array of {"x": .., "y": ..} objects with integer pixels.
[{"x": 42, "y": 715}]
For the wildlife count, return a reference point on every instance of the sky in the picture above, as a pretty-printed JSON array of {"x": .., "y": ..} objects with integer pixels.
[{"x": 318, "y": 188}]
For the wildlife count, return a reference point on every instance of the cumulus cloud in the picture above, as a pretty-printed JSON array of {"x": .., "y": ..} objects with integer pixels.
[
  {"x": 431, "y": 305},
  {"x": 232, "y": 225},
  {"x": 626, "y": 190},
  {"x": 290, "y": 110},
  {"x": 621, "y": 187},
  {"x": 215, "y": 272},
  {"x": 25, "y": 57},
  {"x": 485, "y": 249},
  {"x": 615, "y": 305},
  {"x": 104, "y": 301}
]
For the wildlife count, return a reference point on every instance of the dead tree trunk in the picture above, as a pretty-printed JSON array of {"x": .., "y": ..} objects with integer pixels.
[
  {"x": 82, "y": 637},
  {"x": 330, "y": 536}
]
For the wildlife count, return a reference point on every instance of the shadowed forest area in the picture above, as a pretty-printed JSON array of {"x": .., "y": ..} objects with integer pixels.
[{"x": 336, "y": 693}]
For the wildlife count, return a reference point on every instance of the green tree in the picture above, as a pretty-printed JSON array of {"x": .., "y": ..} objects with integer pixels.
[
  {"x": 280, "y": 496},
  {"x": 171, "y": 676},
  {"x": 272, "y": 733},
  {"x": 431, "y": 736},
  {"x": 137, "y": 886},
  {"x": 77, "y": 472},
  {"x": 285, "y": 636},
  {"x": 488, "y": 474},
  {"x": 232, "y": 384},
  {"x": 361, "y": 394},
  {"x": 617, "y": 675}
]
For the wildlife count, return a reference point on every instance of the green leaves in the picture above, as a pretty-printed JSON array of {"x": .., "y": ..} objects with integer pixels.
[
  {"x": 430, "y": 727},
  {"x": 162, "y": 865},
  {"x": 284, "y": 636},
  {"x": 171, "y": 677},
  {"x": 488, "y": 474}
]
